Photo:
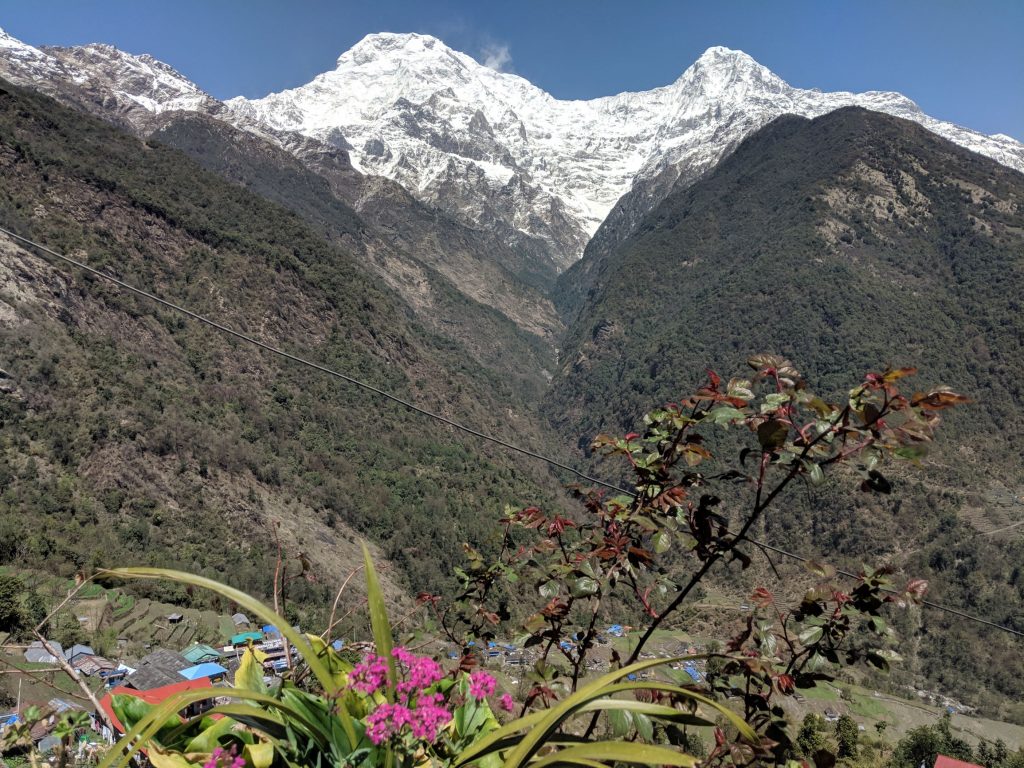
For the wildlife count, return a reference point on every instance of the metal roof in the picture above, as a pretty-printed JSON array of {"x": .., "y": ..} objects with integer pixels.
[{"x": 208, "y": 669}]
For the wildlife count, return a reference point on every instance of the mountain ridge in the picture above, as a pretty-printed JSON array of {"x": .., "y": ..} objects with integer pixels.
[{"x": 493, "y": 150}]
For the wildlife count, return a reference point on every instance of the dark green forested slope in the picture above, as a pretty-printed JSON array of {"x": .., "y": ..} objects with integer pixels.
[
  {"x": 843, "y": 243},
  {"x": 398, "y": 238},
  {"x": 130, "y": 435}
]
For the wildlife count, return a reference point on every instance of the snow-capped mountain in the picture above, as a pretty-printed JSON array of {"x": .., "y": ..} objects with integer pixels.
[
  {"x": 103, "y": 79},
  {"x": 482, "y": 143},
  {"x": 489, "y": 148}
]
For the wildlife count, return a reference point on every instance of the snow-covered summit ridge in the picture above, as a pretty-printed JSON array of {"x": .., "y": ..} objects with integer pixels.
[
  {"x": 428, "y": 116},
  {"x": 101, "y": 71},
  {"x": 488, "y": 147}
]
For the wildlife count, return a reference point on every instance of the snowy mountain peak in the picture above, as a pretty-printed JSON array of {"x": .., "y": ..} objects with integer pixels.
[
  {"x": 720, "y": 57},
  {"x": 380, "y": 44},
  {"x": 490, "y": 148}
]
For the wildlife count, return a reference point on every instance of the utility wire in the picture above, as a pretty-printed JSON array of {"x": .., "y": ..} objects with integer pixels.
[
  {"x": 310, "y": 363},
  {"x": 469, "y": 430}
]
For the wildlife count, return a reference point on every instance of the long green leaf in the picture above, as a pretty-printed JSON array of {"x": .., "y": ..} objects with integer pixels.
[
  {"x": 659, "y": 711},
  {"x": 616, "y": 752},
  {"x": 247, "y": 601},
  {"x": 741, "y": 725},
  {"x": 489, "y": 742},
  {"x": 139, "y": 735},
  {"x": 265, "y": 721},
  {"x": 559, "y": 713},
  {"x": 381, "y": 627},
  {"x": 208, "y": 739},
  {"x": 379, "y": 621}
]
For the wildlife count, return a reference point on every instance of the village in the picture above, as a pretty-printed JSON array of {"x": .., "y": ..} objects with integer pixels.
[{"x": 68, "y": 722}]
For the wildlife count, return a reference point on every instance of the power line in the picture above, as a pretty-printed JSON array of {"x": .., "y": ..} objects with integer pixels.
[
  {"x": 469, "y": 430},
  {"x": 309, "y": 363},
  {"x": 929, "y": 603}
]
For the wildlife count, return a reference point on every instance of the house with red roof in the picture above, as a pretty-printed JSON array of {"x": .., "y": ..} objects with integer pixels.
[
  {"x": 941, "y": 761},
  {"x": 157, "y": 696}
]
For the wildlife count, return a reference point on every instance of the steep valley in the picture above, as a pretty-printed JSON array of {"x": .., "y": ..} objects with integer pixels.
[{"x": 539, "y": 276}]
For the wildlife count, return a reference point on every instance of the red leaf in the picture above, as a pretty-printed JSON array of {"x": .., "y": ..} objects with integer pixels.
[
  {"x": 937, "y": 400},
  {"x": 916, "y": 589}
]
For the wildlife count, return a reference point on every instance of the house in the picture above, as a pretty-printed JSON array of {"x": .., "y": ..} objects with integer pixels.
[
  {"x": 77, "y": 650},
  {"x": 197, "y": 653},
  {"x": 156, "y": 696},
  {"x": 91, "y": 665},
  {"x": 243, "y": 638},
  {"x": 241, "y": 620},
  {"x": 174, "y": 618},
  {"x": 941, "y": 761},
  {"x": 160, "y": 668},
  {"x": 116, "y": 676},
  {"x": 36, "y": 653},
  {"x": 209, "y": 669}
]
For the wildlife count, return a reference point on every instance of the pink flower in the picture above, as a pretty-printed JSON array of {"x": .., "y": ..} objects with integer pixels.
[
  {"x": 369, "y": 675},
  {"x": 423, "y": 721},
  {"x": 429, "y": 718},
  {"x": 421, "y": 672},
  {"x": 481, "y": 685},
  {"x": 222, "y": 758},
  {"x": 507, "y": 703}
]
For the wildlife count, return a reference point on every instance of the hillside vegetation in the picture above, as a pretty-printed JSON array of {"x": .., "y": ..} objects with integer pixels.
[
  {"x": 844, "y": 243},
  {"x": 127, "y": 433}
]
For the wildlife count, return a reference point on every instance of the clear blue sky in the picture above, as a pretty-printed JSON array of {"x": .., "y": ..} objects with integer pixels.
[{"x": 961, "y": 61}]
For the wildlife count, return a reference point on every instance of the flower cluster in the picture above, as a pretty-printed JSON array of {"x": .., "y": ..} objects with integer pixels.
[
  {"x": 222, "y": 758},
  {"x": 369, "y": 675},
  {"x": 421, "y": 672},
  {"x": 419, "y": 710},
  {"x": 481, "y": 685},
  {"x": 423, "y": 721}
]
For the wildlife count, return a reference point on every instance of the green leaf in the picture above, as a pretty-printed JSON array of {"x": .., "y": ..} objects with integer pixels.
[
  {"x": 661, "y": 542},
  {"x": 548, "y": 590},
  {"x": 209, "y": 738},
  {"x": 811, "y": 635},
  {"x": 615, "y": 752},
  {"x": 772, "y": 435},
  {"x": 724, "y": 414},
  {"x": 161, "y": 759},
  {"x": 815, "y": 474},
  {"x": 260, "y": 754},
  {"x": 584, "y": 587},
  {"x": 644, "y": 726},
  {"x": 249, "y": 675},
  {"x": 621, "y": 720},
  {"x": 379, "y": 620},
  {"x": 774, "y": 401}
]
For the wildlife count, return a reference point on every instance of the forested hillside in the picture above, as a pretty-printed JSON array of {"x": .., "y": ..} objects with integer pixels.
[
  {"x": 844, "y": 243},
  {"x": 126, "y": 431}
]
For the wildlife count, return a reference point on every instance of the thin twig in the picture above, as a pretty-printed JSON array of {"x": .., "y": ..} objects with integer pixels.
[
  {"x": 71, "y": 594},
  {"x": 73, "y": 674},
  {"x": 337, "y": 599}
]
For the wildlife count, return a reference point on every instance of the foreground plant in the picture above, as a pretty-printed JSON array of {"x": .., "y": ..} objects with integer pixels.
[
  {"x": 393, "y": 708},
  {"x": 691, "y": 510}
]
